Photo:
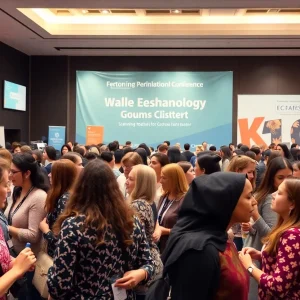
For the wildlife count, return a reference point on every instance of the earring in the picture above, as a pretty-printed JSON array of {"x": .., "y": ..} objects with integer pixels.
[{"x": 291, "y": 209}]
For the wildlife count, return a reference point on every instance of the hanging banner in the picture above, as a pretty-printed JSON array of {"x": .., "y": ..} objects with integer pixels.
[
  {"x": 151, "y": 107},
  {"x": 57, "y": 136},
  {"x": 266, "y": 119},
  {"x": 94, "y": 135},
  {"x": 2, "y": 136}
]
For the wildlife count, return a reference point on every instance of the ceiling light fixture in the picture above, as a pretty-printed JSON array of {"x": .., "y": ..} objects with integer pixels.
[
  {"x": 105, "y": 11},
  {"x": 84, "y": 11},
  {"x": 175, "y": 11}
]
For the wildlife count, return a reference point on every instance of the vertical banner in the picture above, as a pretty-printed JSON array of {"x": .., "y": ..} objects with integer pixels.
[
  {"x": 2, "y": 136},
  {"x": 151, "y": 107},
  {"x": 57, "y": 136},
  {"x": 94, "y": 135},
  {"x": 266, "y": 119}
]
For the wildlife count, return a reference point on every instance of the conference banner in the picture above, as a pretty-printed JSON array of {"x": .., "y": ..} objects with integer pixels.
[
  {"x": 151, "y": 107},
  {"x": 57, "y": 136},
  {"x": 266, "y": 119}
]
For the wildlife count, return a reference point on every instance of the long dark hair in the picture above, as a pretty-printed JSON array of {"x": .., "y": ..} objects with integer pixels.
[
  {"x": 97, "y": 196},
  {"x": 226, "y": 153},
  {"x": 25, "y": 162},
  {"x": 267, "y": 185},
  {"x": 285, "y": 150},
  {"x": 174, "y": 154}
]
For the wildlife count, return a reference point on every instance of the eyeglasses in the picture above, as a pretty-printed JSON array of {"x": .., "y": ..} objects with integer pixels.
[{"x": 13, "y": 172}]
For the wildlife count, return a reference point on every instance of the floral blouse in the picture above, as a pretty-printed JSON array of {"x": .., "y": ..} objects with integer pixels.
[
  {"x": 281, "y": 278},
  {"x": 82, "y": 270},
  {"x": 4, "y": 256},
  {"x": 146, "y": 216},
  {"x": 51, "y": 219}
]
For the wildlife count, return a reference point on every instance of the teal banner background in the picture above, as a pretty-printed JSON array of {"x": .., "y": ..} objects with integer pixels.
[{"x": 150, "y": 107}]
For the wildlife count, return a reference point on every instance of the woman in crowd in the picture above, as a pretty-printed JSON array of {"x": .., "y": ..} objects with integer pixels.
[
  {"x": 63, "y": 177},
  {"x": 76, "y": 158},
  {"x": 295, "y": 153},
  {"x": 16, "y": 147},
  {"x": 10, "y": 269},
  {"x": 175, "y": 186},
  {"x": 284, "y": 151},
  {"x": 199, "y": 149},
  {"x": 129, "y": 160},
  {"x": 141, "y": 188},
  {"x": 200, "y": 260},
  {"x": 188, "y": 171},
  {"x": 157, "y": 161},
  {"x": 49, "y": 155},
  {"x": 245, "y": 165},
  {"x": 26, "y": 211},
  {"x": 280, "y": 257},
  {"x": 296, "y": 169},
  {"x": 263, "y": 218},
  {"x": 100, "y": 242},
  {"x": 226, "y": 156},
  {"x": 207, "y": 163},
  {"x": 174, "y": 155},
  {"x": 65, "y": 149},
  {"x": 143, "y": 154}
]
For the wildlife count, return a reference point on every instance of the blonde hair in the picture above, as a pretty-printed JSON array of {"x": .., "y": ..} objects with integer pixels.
[
  {"x": 145, "y": 184},
  {"x": 5, "y": 154},
  {"x": 292, "y": 188},
  {"x": 177, "y": 177},
  {"x": 239, "y": 163},
  {"x": 133, "y": 158}
]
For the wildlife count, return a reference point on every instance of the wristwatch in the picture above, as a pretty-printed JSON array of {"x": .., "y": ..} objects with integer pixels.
[{"x": 250, "y": 269}]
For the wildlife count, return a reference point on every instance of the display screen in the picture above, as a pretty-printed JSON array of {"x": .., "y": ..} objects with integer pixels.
[{"x": 14, "y": 96}]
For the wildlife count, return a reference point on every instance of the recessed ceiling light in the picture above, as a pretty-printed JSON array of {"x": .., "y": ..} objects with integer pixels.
[
  {"x": 105, "y": 11},
  {"x": 84, "y": 11},
  {"x": 175, "y": 11}
]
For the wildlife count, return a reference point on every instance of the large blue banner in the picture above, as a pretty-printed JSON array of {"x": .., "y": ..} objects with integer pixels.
[
  {"x": 150, "y": 107},
  {"x": 57, "y": 136}
]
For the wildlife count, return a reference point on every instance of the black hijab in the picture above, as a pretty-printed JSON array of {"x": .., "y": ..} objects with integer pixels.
[{"x": 205, "y": 214}]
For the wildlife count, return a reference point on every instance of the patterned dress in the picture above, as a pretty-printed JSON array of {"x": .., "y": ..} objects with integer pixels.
[
  {"x": 51, "y": 219},
  {"x": 146, "y": 216},
  {"x": 82, "y": 270},
  {"x": 234, "y": 279},
  {"x": 281, "y": 278},
  {"x": 4, "y": 256}
]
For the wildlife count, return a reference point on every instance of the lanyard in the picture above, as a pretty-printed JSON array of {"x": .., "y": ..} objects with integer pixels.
[
  {"x": 163, "y": 210},
  {"x": 11, "y": 214}
]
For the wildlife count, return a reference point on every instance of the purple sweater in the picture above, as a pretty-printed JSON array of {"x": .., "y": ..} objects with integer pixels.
[{"x": 281, "y": 278}]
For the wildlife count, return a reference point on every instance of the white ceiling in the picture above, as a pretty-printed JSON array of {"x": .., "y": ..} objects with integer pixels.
[{"x": 190, "y": 38}]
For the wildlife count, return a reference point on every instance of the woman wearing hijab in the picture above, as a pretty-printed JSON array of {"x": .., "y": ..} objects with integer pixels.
[{"x": 199, "y": 258}]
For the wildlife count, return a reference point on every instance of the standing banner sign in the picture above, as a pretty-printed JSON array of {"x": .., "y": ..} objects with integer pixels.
[
  {"x": 266, "y": 119},
  {"x": 57, "y": 136},
  {"x": 2, "y": 137},
  {"x": 94, "y": 135},
  {"x": 151, "y": 107}
]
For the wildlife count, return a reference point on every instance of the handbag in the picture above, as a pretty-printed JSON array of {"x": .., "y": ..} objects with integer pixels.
[
  {"x": 43, "y": 264},
  {"x": 160, "y": 289},
  {"x": 19, "y": 287}
]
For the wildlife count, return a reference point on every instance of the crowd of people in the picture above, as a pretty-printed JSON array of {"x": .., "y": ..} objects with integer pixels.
[{"x": 116, "y": 220}]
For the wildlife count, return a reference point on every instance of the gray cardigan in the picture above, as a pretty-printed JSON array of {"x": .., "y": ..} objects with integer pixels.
[
  {"x": 260, "y": 229},
  {"x": 263, "y": 225}
]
